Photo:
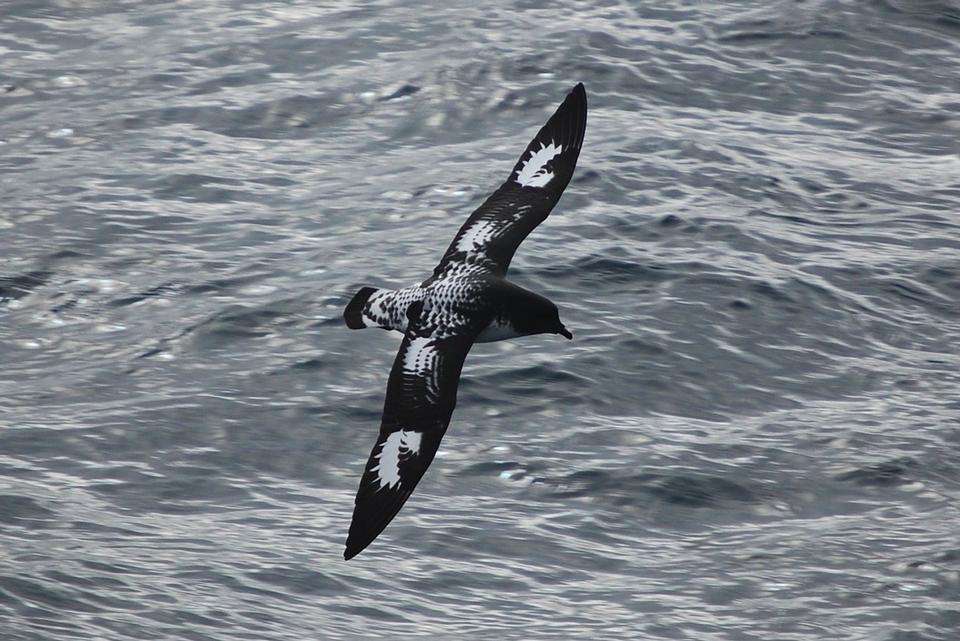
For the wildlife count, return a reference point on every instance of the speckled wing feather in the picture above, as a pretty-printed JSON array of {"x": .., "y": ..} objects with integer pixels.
[
  {"x": 421, "y": 395},
  {"x": 494, "y": 231}
]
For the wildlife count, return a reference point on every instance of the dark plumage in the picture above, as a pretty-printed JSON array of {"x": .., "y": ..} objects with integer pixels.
[{"x": 467, "y": 299}]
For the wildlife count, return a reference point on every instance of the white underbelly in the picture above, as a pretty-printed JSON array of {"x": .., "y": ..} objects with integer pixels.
[{"x": 496, "y": 331}]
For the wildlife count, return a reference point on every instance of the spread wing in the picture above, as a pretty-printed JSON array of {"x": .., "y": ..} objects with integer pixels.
[
  {"x": 499, "y": 225},
  {"x": 421, "y": 395}
]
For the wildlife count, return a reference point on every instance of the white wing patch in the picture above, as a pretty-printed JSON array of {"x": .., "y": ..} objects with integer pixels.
[
  {"x": 534, "y": 172},
  {"x": 476, "y": 235},
  {"x": 420, "y": 359},
  {"x": 420, "y": 356},
  {"x": 388, "y": 459}
]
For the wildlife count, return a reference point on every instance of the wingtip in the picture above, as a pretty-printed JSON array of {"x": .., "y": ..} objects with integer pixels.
[
  {"x": 353, "y": 313},
  {"x": 578, "y": 93},
  {"x": 352, "y": 548},
  {"x": 575, "y": 106},
  {"x": 358, "y": 540}
]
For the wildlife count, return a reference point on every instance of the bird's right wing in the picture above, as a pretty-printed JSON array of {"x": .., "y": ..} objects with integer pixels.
[
  {"x": 495, "y": 230},
  {"x": 421, "y": 395}
]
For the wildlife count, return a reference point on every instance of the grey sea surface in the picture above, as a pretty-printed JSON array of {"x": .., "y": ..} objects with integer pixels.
[{"x": 754, "y": 435}]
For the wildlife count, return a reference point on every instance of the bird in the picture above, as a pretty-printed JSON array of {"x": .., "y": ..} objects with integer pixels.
[{"x": 466, "y": 300}]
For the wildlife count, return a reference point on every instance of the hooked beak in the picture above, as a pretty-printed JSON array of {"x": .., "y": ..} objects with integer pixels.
[{"x": 563, "y": 331}]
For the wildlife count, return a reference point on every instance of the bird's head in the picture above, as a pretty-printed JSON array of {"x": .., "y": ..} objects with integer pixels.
[
  {"x": 556, "y": 326},
  {"x": 539, "y": 316}
]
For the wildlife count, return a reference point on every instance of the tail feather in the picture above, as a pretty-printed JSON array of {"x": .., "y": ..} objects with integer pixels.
[{"x": 353, "y": 313}]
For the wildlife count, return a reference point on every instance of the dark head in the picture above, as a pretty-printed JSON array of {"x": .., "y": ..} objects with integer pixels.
[{"x": 537, "y": 315}]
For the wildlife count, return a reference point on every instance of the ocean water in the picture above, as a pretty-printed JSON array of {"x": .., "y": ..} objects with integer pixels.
[{"x": 754, "y": 435}]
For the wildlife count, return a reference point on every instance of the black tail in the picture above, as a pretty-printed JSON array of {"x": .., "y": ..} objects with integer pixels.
[{"x": 353, "y": 313}]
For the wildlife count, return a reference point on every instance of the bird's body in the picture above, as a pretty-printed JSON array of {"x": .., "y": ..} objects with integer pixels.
[
  {"x": 467, "y": 300},
  {"x": 454, "y": 296}
]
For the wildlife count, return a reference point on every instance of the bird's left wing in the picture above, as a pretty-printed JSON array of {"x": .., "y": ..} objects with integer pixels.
[
  {"x": 421, "y": 395},
  {"x": 495, "y": 230}
]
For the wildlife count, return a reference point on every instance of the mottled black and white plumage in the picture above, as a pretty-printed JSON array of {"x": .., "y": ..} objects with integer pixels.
[{"x": 466, "y": 300}]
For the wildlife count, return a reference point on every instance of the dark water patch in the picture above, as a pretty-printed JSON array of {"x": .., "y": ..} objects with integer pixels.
[
  {"x": 15, "y": 287},
  {"x": 501, "y": 469},
  {"x": 702, "y": 277},
  {"x": 63, "y": 254},
  {"x": 365, "y": 413},
  {"x": 290, "y": 117},
  {"x": 942, "y": 13},
  {"x": 589, "y": 176},
  {"x": 401, "y": 92},
  {"x": 126, "y": 629},
  {"x": 153, "y": 292},
  {"x": 300, "y": 580},
  {"x": 179, "y": 617},
  {"x": 233, "y": 326},
  {"x": 311, "y": 365},
  {"x": 948, "y": 557},
  {"x": 670, "y": 221},
  {"x": 52, "y": 599},
  {"x": 941, "y": 276},
  {"x": 242, "y": 585},
  {"x": 887, "y": 474},
  {"x": 601, "y": 269},
  {"x": 69, "y": 302},
  {"x": 699, "y": 491},
  {"x": 25, "y": 511},
  {"x": 105, "y": 529},
  {"x": 98, "y": 589},
  {"x": 525, "y": 381},
  {"x": 643, "y": 347},
  {"x": 182, "y": 491},
  {"x": 196, "y": 187},
  {"x": 917, "y": 294},
  {"x": 762, "y": 32},
  {"x": 583, "y": 483},
  {"x": 273, "y": 181},
  {"x": 629, "y": 228},
  {"x": 111, "y": 568},
  {"x": 772, "y": 292},
  {"x": 229, "y": 80},
  {"x": 687, "y": 490},
  {"x": 223, "y": 285},
  {"x": 236, "y": 323},
  {"x": 155, "y": 351}
]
